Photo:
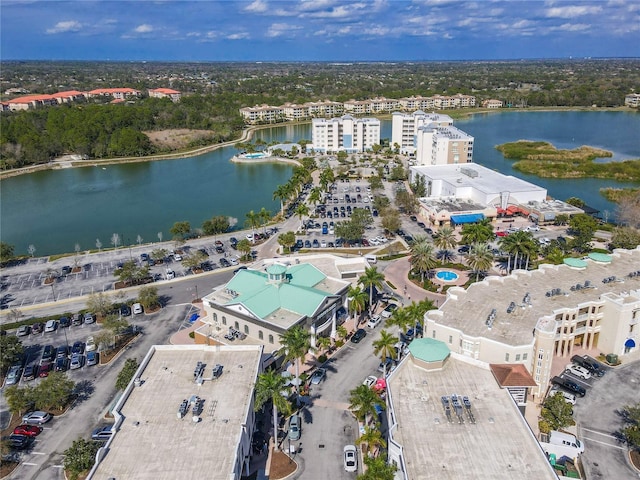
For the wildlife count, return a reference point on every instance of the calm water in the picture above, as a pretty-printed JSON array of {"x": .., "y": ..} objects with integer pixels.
[{"x": 54, "y": 210}]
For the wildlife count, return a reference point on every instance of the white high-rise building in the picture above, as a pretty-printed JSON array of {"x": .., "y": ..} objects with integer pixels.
[
  {"x": 437, "y": 145},
  {"x": 404, "y": 128},
  {"x": 345, "y": 133}
]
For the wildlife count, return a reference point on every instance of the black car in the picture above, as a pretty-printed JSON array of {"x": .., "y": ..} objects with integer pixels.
[
  {"x": 48, "y": 353},
  {"x": 29, "y": 372},
  {"x": 299, "y": 243},
  {"x": 594, "y": 367},
  {"x": 203, "y": 252},
  {"x": 224, "y": 262},
  {"x": 64, "y": 322},
  {"x": 62, "y": 351},
  {"x": 125, "y": 310},
  {"x": 78, "y": 347},
  {"x": 19, "y": 442},
  {"x": 569, "y": 385},
  {"x": 66, "y": 270},
  {"x": 62, "y": 364},
  {"x": 206, "y": 267},
  {"x": 359, "y": 335}
]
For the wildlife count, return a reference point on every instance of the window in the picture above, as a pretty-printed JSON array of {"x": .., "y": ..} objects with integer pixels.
[
  {"x": 224, "y": 320},
  {"x": 260, "y": 335},
  {"x": 215, "y": 317},
  {"x": 517, "y": 357},
  {"x": 433, "y": 333},
  {"x": 506, "y": 357},
  {"x": 246, "y": 329},
  {"x": 524, "y": 356},
  {"x": 270, "y": 338},
  {"x": 236, "y": 325}
]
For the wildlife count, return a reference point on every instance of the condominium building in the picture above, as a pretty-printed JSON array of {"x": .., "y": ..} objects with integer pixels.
[
  {"x": 116, "y": 93},
  {"x": 262, "y": 114},
  {"x": 492, "y": 103},
  {"x": 346, "y": 133},
  {"x": 404, "y": 128},
  {"x": 533, "y": 317},
  {"x": 174, "y": 95},
  {"x": 442, "y": 145}
]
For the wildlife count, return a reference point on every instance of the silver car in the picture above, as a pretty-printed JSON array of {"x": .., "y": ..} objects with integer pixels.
[{"x": 350, "y": 458}]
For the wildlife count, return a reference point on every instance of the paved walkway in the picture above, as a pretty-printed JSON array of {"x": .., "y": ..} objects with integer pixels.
[{"x": 397, "y": 275}]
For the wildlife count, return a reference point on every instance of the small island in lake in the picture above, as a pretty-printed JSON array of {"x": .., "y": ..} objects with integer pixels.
[{"x": 545, "y": 160}]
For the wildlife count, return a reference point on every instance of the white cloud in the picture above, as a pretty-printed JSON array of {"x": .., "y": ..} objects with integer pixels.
[
  {"x": 281, "y": 30},
  {"x": 238, "y": 36},
  {"x": 573, "y": 11},
  {"x": 574, "y": 27},
  {"x": 144, "y": 28},
  {"x": 64, "y": 27},
  {"x": 257, "y": 7}
]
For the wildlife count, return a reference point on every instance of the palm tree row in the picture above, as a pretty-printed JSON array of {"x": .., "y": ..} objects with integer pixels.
[{"x": 519, "y": 245}]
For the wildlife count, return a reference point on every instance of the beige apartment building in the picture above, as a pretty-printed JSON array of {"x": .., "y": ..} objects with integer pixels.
[
  {"x": 442, "y": 145},
  {"x": 533, "y": 317}
]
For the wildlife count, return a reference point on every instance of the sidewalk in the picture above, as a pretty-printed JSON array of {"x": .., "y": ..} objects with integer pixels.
[{"x": 397, "y": 274}]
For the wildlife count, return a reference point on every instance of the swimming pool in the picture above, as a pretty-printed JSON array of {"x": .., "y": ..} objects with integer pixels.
[
  {"x": 447, "y": 276},
  {"x": 254, "y": 155}
]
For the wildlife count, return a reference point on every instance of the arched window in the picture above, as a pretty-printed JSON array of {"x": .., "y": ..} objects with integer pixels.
[
  {"x": 260, "y": 335},
  {"x": 215, "y": 317},
  {"x": 236, "y": 325},
  {"x": 224, "y": 320},
  {"x": 270, "y": 338},
  {"x": 246, "y": 329}
]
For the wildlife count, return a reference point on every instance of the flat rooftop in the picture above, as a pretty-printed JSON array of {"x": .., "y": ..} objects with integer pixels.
[
  {"x": 499, "y": 445},
  {"x": 153, "y": 443},
  {"x": 452, "y": 205},
  {"x": 467, "y": 310},
  {"x": 485, "y": 180}
]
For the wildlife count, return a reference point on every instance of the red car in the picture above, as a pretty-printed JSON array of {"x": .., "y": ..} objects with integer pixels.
[
  {"x": 44, "y": 370},
  {"x": 27, "y": 430},
  {"x": 502, "y": 233}
]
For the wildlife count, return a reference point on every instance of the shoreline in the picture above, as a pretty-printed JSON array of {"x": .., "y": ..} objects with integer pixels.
[
  {"x": 270, "y": 159},
  {"x": 247, "y": 133}
]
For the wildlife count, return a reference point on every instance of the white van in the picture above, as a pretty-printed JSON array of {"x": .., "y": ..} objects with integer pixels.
[
  {"x": 568, "y": 397},
  {"x": 565, "y": 439},
  {"x": 371, "y": 258}
]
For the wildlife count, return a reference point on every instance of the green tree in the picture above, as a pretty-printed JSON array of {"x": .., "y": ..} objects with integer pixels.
[
  {"x": 149, "y": 298},
  {"x": 480, "y": 258},
  {"x": 372, "y": 279},
  {"x": 53, "y": 391},
  {"x": 287, "y": 240},
  {"x": 576, "y": 202},
  {"x": 193, "y": 260},
  {"x": 180, "y": 231},
  {"x": 631, "y": 430},
  {"x": 159, "y": 254},
  {"x": 402, "y": 319},
  {"x": 99, "y": 303},
  {"x": 480, "y": 232},
  {"x": 556, "y": 413},
  {"x": 378, "y": 469},
  {"x": 296, "y": 343},
  {"x": 130, "y": 273},
  {"x": 302, "y": 210},
  {"x": 391, "y": 220},
  {"x": 19, "y": 400},
  {"x": 520, "y": 245},
  {"x": 375, "y": 182},
  {"x": 282, "y": 193},
  {"x": 244, "y": 247},
  {"x": 6, "y": 252},
  {"x": 264, "y": 216},
  {"x": 11, "y": 350},
  {"x": 445, "y": 238},
  {"x": 371, "y": 441},
  {"x": 129, "y": 369},
  {"x": 80, "y": 457},
  {"x": 363, "y": 401},
  {"x": 216, "y": 225},
  {"x": 422, "y": 256},
  {"x": 357, "y": 300},
  {"x": 384, "y": 348},
  {"x": 269, "y": 388},
  {"x": 625, "y": 237},
  {"x": 252, "y": 220},
  {"x": 419, "y": 187},
  {"x": 407, "y": 202}
]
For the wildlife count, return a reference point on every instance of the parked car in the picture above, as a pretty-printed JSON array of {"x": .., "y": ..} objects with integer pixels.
[
  {"x": 64, "y": 322},
  {"x": 36, "y": 418},
  {"x": 78, "y": 347},
  {"x": 594, "y": 367},
  {"x": 137, "y": 309},
  {"x": 23, "y": 330},
  {"x": 50, "y": 326},
  {"x": 62, "y": 351},
  {"x": 13, "y": 375},
  {"x": 350, "y": 458},
  {"x": 388, "y": 310},
  {"x": 578, "y": 371},
  {"x": 358, "y": 335},
  {"x": 318, "y": 376},
  {"x": 37, "y": 328},
  {"x": 102, "y": 433},
  {"x": 370, "y": 381},
  {"x": 170, "y": 274},
  {"x": 125, "y": 310},
  {"x": 90, "y": 345},
  {"x": 294, "y": 427},
  {"x": 92, "y": 358},
  {"x": 44, "y": 369},
  {"x": 18, "y": 442},
  {"x": 569, "y": 385},
  {"x": 89, "y": 318},
  {"x": 76, "y": 319},
  {"x": 27, "y": 430},
  {"x": 76, "y": 361},
  {"x": 29, "y": 373},
  {"x": 62, "y": 364},
  {"x": 568, "y": 397},
  {"x": 48, "y": 353},
  {"x": 374, "y": 321}
]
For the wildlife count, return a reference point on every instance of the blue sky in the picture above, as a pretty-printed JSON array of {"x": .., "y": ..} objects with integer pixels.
[{"x": 317, "y": 30}]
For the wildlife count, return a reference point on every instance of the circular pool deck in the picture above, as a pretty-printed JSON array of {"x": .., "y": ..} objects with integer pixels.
[{"x": 462, "y": 277}]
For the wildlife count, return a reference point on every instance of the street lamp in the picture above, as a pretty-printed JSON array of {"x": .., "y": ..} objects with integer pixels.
[{"x": 53, "y": 291}]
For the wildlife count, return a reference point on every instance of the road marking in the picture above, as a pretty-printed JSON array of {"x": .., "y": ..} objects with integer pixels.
[
  {"x": 604, "y": 443},
  {"x": 598, "y": 432},
  {"x": 38, "y": 453},
  {"x": 29, "y": 464},
  {"x": 57, "y": 466}
]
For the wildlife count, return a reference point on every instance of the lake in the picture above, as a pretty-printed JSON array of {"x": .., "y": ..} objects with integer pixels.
[{"x": 54, "y": 210}]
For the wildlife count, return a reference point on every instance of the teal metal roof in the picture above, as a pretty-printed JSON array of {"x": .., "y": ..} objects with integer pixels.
[
  {"x": 296, "y": 293},
  {"x": 429, "y": 350},
  {"x": 575, "y": 262},
  {"x": 600, "y": 257}
]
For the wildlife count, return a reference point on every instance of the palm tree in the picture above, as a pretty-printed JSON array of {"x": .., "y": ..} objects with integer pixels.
[
  {"x": 372, "y": 438},
  {"x": 371, "y": 279},
  {"x": 282, "y": 193},
  {"x": 385, "y": 347},
  {"x": 357, "y": 300},
  {"x": 269, "y": 387},
  {"x": 445, "y": 238},
  {"x": 480, "y": 258},
  {"x": 378, "y": 469},
  {"x": 253, "y": 220},
  {"x": 415, "y": 311},
  {"x": 302, "y": 210},
  {"x": 315, "y": 195},
  {"x": 296, "y": 343},
  {"x": 341, "y": 332},
  {"x": 363, "y": 401},
  {"x": 400, "y": 318},
  {"x": 518, "y": 244},
  {"x": 264, "y": 216},
  {"x": 323, "y": 343},
  {"x": 422, "y": 258},
  {"x": 480, "y": 232}
]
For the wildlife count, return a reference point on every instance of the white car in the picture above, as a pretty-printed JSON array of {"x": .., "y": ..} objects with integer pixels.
[
  {"x": 532, "y": 228},
  {"x": 578, "y": 371},
  {"x": 350, "y": 458},
  {"x": 36, "y": 418},
  {"x": 170, "y": 274},
  {"x": 50, "y": 326},
  {"x": 370, "y": 381},
  {"x": 90, "y": 345},
  {"x": 136, "y": 308},
  {"x": 568, "y": 397},
  {"x": 374, "y": 321}
]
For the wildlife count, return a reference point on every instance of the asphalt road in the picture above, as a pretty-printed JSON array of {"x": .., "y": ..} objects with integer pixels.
[{"x": 327, "y": 424}]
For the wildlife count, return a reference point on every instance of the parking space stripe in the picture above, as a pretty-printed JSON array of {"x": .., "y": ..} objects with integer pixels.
[{"x": 604, "y": 443}]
